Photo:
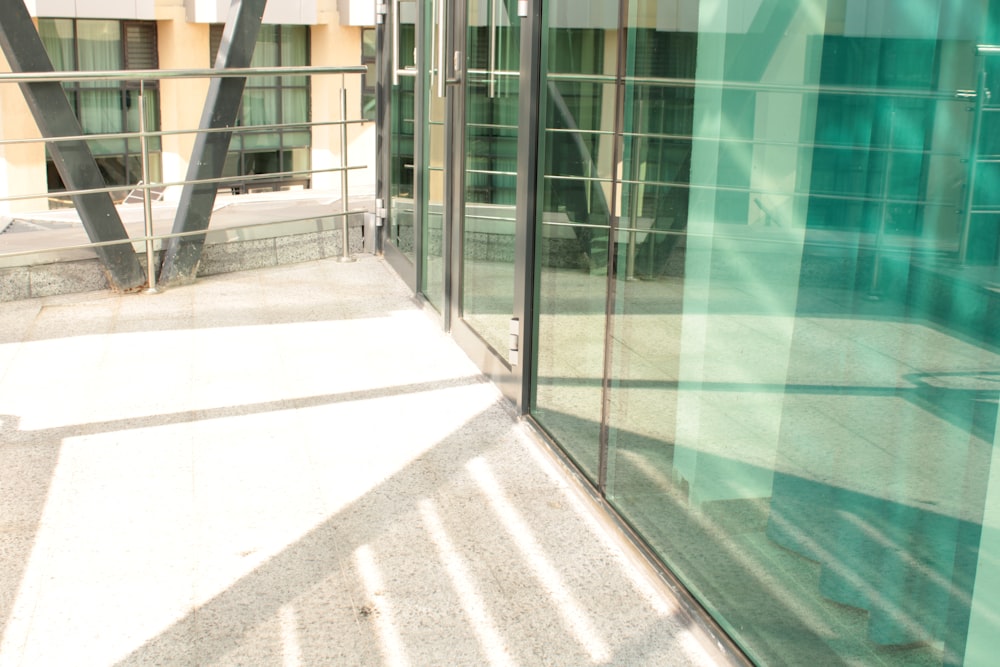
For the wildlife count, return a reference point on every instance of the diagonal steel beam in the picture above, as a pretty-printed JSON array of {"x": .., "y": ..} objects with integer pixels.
[
  {"x": 194, "y": 210},
  {"x": 76, "y": 164}
]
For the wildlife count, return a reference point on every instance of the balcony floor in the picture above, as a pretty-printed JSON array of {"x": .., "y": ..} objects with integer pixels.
[{"x": 291, "y": 466}]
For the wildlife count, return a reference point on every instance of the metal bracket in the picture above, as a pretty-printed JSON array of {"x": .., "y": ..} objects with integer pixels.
[
  {"x": 381, "y": 10},
  {"x": 513, "y": 353},
  {"x": 380, "y": 212},
  {"x": 522, "y": 8}
]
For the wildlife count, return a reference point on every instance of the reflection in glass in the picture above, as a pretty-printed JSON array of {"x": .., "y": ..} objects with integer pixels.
[
  {"x": 795, "y": 370},
  {"x": 433, "y": 162},
  {"x": 572, "y": 244},
  {"x": 491, "y": 112},
  {"x": 401, "y": 169}
]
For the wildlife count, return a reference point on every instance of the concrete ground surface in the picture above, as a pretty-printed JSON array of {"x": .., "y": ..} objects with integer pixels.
[{"x": 291, "y": 466}]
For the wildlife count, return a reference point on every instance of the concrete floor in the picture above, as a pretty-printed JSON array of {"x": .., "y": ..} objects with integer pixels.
[{"x": 290, "y": 466}]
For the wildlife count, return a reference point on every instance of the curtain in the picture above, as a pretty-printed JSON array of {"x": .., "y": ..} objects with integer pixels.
[
  {"x": 295, "y": 89},
  {"x": 57, "y": 37},
  {"x": 101, "y": 102}
]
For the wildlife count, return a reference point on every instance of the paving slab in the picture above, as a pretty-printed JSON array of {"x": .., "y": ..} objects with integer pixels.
[{"x": 291, "y": 466}]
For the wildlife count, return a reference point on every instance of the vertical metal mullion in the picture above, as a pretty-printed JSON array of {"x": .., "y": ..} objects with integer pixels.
[
  {"x": 396, "y": 23},
  {"x": 279, "y": 102},
  {"x": 493, "y": 20},
  {"x": 452, "y": 227},
  {"x": 420, "y": 108},
  {"x": 613, "y": 223},
  {"x": 383, "y": 129},
  {"x": 530, "y": 144},
  {"x": 435, "y": 76}
]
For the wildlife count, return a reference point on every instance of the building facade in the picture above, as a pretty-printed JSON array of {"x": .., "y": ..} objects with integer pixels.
[
  {"x": 185, "y": 34},
  {"x": 738, "y": 260}
]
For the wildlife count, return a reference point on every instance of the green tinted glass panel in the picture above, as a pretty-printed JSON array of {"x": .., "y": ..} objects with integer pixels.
[
  {"x": 57, "y": 37},
  {"x": 794, "y": 368},
  {"x": 295, "y": 53},
  {"x": 295, "y": 105},
  {"x": 151, "y": 103},
  {"x": 491, "y": 113},
  {"x": 402, "y": 157},
  {"x": 436, "y": 145},
  {"x": 266, "y": 53},
  {"x": 573, "y": 235}
]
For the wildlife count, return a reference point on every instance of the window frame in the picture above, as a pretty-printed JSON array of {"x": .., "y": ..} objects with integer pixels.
[
  {"x": 130, "y": 157},
  {"x": 242, "y": 161}
]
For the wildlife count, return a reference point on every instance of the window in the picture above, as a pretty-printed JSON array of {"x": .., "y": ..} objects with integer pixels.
[
  {"x": 271, "y": 101},
  {"x": 369, "y": 104},
  {"x": 107, "y": 107}
]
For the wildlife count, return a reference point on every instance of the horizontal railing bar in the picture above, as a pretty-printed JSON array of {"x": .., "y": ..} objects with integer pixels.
[
  {"x": 807, "y": 89},
  {"x": 895, "y": 150},
  {"x": 494, "y": 126},
  {"x": 160, "y": 237},
  {"x": 489, "y": 172},
  {"x": 277, "y": 175},
  {"x": 238, "y": 129},
  {"x": 492, "y": 218},
  {"x": 583, "y": 225},
  {"x": 682, "y": 138},
  {"x": 135, "y": 79},
  {"x": 160, "y": 74},
  {"x": 756, "y": 192},
  {"x": 498, "y": 72},
  {"x": 799, "y": 243}
]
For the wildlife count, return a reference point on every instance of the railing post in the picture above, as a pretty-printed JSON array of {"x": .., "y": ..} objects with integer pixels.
[
  {"x": 147, "y": 203},
  {"x": 345, "y": 253},
  {"x": 182, "y": 255}
]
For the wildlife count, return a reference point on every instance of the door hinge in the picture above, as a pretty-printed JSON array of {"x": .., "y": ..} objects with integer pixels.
[
  {"x": 381, "y": 10},
  {"x": 514, "y": 353},
  {"x": 522, "y": 8},
  {"x": 380, "y": 213}
]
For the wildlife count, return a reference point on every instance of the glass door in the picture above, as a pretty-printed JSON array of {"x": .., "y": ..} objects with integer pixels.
[
  {"x": 579, "y": 154},
  {"x": 488, "y": 48},
  {"x": 403, "y": 101},
  {"x": 767, "y": 311},
  {"x": 452, "y": 169}
]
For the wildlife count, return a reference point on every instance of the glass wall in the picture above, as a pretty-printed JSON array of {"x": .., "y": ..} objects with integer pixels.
[
  {"x": 403, "y": 131},
  {"x": 766, "y": 309},
  {"x": 369, "y": 50},
  {"x": 577, "y": 160}
]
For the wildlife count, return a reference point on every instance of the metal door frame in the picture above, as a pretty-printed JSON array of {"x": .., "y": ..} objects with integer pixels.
[{"x": 514, "y": 380}]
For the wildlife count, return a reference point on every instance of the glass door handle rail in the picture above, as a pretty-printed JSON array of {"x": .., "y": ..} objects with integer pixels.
[{"x": 441, "y": 34}]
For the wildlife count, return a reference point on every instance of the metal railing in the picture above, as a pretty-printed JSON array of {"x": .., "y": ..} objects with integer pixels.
[{"x": 145, "y": 134}]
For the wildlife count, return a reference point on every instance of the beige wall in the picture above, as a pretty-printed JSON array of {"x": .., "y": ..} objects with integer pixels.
[
  {"x": 182, "y": 45},
  {"x": 22, "y": 166},
  {"x": 336, "y": 45}
]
